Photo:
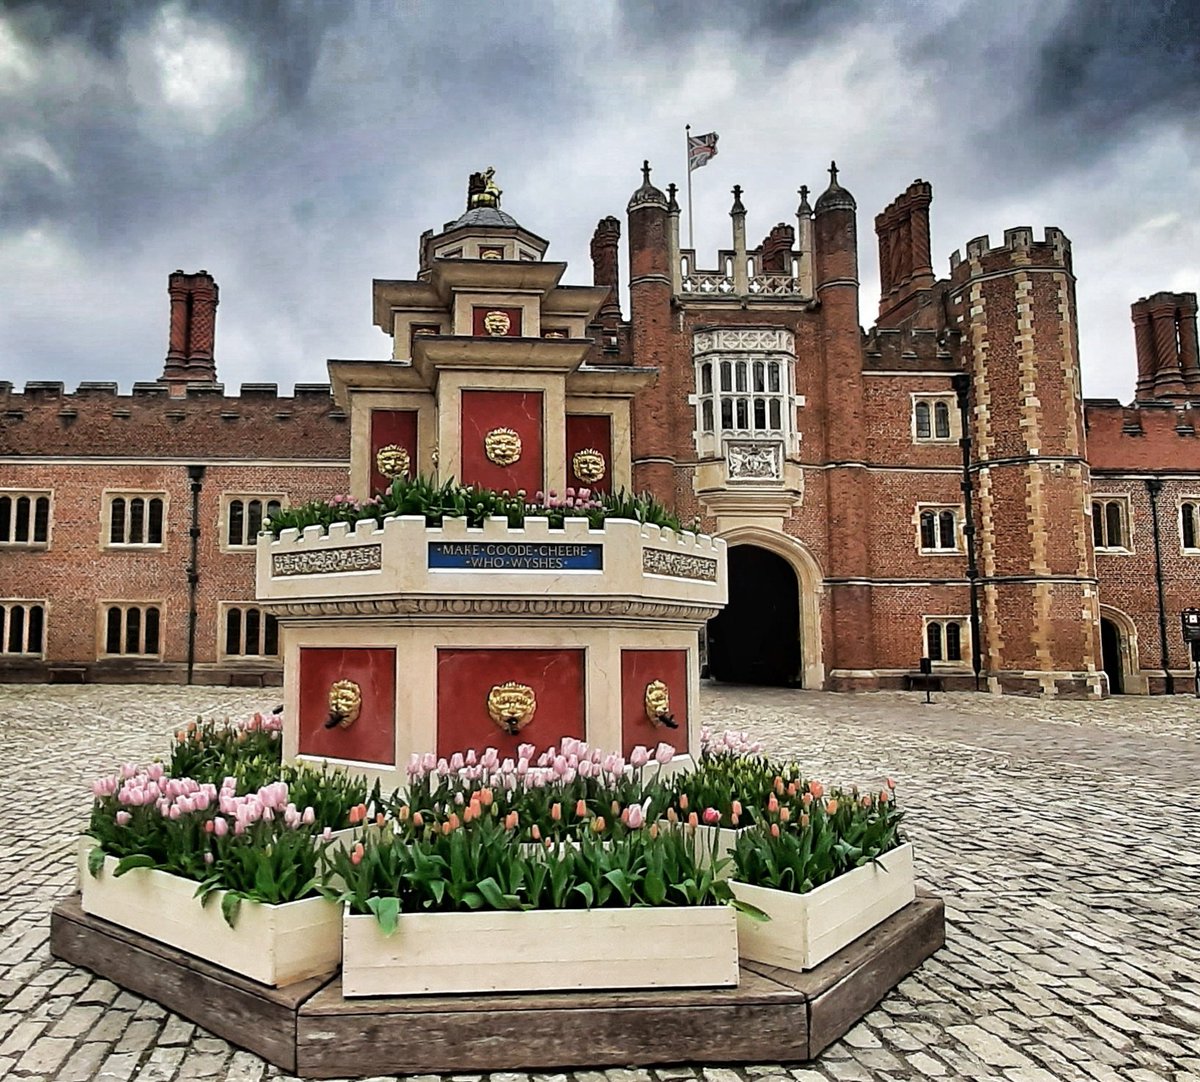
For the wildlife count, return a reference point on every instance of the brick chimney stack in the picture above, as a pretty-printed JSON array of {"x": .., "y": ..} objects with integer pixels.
[
  {"x": 194, "y": 299},
  {"x": 905, "y": 263},
  {"x": 1168, "y": 364},
  {"x": 605, "y": 268}
]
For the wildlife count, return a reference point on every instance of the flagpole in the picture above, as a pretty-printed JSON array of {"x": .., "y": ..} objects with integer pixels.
[{"x": 687, "y": 135}]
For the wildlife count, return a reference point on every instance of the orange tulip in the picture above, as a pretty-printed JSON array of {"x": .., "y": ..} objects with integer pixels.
[{"x": 831, "y": 807}]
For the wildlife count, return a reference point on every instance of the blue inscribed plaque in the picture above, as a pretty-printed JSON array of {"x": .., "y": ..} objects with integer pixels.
[{"x": 514, "y": 556}]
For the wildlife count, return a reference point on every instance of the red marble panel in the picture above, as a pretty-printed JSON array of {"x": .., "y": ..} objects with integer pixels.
[
  {"x": 392, "y": 426},
  {"x": 465, "y": 676},
  {"x": 480, "y": 313},
  {"x": 372, "y": 738},
  {"x": 639, "y": 668},
  {"x": 521, "y": 411},
  {"x": 594, "y": 431}
]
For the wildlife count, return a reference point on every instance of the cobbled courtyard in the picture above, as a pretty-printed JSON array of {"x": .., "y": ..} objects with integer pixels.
[{"x": 1063, "y": 837}]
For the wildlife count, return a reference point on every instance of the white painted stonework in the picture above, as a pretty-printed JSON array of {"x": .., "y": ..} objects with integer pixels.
[
  {"x": 271, "y": 944},
  {"x": 542, "y": 950},
  {"x": 806, "y": 929}
]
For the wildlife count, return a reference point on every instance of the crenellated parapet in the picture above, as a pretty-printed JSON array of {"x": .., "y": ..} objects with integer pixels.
[
  {"x": 903, "y": 348},
  {"x": 96, "y": 420},
  {"x": 532, "y": 570},
  {"x": 1019, "y": 249},
  {"x": 1143, "y": 436}
]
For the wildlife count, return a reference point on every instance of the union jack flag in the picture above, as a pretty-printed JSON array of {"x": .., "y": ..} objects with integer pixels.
[{"x": 700, "y": 149}]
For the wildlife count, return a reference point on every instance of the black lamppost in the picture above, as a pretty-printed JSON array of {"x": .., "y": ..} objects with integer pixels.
[{"x": 962, "y": 388}]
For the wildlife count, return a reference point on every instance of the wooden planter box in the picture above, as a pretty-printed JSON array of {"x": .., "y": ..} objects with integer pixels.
[
  {"x": 271, "y": 944},
  {"x": 806, "y": 929},
  {"x": 547, "y": 949}
]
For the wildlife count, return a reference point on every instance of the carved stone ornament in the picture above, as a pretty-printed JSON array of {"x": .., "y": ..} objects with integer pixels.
[
  {"x": 744, "y": 340},
  {"x": 491, "y": 253},
  {"x": 503, "y": 446},
  {"x": 588, "y": 465},
  {"x": 752, "y": 461},
  {"x": 658, "y": 705},
  {"x": 392, "y": 461},
  {"x": 496, "y": 323},
  {"x": 345, "y": 704},
  {"x": 511, "y": 706}
]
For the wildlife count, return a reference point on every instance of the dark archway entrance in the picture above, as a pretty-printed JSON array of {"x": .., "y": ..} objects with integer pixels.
[
  {"x": 756, "y": 637},
  {"x": 1110, "y": 651}
]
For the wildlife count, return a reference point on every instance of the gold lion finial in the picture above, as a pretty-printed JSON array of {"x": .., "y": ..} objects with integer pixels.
[{"x": 482, "y": 190}]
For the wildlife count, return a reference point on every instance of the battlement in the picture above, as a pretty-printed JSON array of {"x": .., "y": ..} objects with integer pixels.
[
  {"x": 1019, "y": 249},
  {"x": 1144, "y": 436},
  {"x": 899, "y": 348},
  {"x": 44, "y": 418}
]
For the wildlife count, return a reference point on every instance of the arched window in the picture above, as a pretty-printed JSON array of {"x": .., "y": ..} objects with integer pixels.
[
  {"x": 953, "y": 643},
  {"x": 933, "y": 641},
  {"x": 249, "y": 632},
  {"x": 135, "y": 520},
  {"x": 131, "y": 629},
  {"x": 941, "y": 420},
  {"x": 1189, "y": 513},
  {"x": 24, "y": 518},
  {"x": 924, "y": 430},
  {"x": 244, "y": 518},
  {"x": 1113, "y": 525},
  {"x": 946, "y": 530},
  {"x": 928, "y": 530}
]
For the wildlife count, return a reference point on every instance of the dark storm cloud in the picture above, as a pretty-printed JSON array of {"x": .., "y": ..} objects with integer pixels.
[
  {"x": 1107, "y": 65},
  {"x": 284, "y": 36},
  {"x": 770, "y": 23}
]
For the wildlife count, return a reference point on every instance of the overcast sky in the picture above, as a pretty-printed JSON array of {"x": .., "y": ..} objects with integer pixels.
[{"x": 297, "y": 150}]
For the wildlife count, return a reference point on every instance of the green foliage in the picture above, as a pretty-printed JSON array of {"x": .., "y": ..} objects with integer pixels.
[
  {"x": 721, "y": 779},
  {"x": 210, "y": 751},
  {"x": 449, "y": 499},
  {"x": 481, "y": 866}
]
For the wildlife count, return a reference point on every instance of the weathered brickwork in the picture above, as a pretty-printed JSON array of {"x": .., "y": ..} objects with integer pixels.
[{"x": 869, "y": 432}]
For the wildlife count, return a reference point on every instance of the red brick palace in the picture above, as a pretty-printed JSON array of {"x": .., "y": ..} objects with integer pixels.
[{"x": 933, "y": 487}]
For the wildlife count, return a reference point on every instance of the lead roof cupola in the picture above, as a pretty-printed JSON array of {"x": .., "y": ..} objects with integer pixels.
[{"x": 483, "y": 230}]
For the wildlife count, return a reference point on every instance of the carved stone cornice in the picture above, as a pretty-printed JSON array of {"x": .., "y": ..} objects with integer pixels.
[
  {"x": 744, "y": 340},
  {"x": 495, "y": 607}
]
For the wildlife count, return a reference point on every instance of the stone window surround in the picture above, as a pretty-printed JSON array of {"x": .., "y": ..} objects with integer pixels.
[
  {"x": 28, "y": 605},
  {"x": 223, "y": 610},
  {"x": 748, "y": 346},
  {"x": 931, "y": 398},
  {"x": 1192, "y": 503},
  {"x": 1104, "y": 500},
  {"x": 143, "y": 606},
  {"x": 106, "y": 507},
  {"x": 963, "y": 662},
  {"x": 33, "y": 495},
  {"x": 227, "y": 500},
  {"x": 936, "y": 509}
]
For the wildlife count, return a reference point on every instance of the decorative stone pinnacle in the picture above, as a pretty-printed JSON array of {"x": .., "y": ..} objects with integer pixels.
[
  {"x": 646, "y": 171},
  {"x": 833, "y": 172},
  {"x": 737, "y": 207},
  {"x": 804, "y": 192}
]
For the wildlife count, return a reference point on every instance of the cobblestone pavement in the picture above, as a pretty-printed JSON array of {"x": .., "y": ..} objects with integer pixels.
[{"x": 1061, "y": 835}]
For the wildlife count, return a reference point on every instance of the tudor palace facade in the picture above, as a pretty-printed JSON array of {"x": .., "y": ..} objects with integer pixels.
[{"x": 933, "y": 488}]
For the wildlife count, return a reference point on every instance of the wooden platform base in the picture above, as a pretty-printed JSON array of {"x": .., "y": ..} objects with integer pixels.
[{"x": 774, "y": 1016}]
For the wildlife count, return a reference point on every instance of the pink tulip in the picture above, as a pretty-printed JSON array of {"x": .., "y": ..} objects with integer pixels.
[
  {"x": 471, "y": 757},
  {"x": 123, "y": 818},
  {"x": 639, "y": 757},
  {"x": 457, "y": 762},
  {"x": 663, "y": 754},
  {"x": 712, "y": 816},
  {"x": 174, "y": 813},
  {"x": 309, "y": 817},
  {"x": 208, "y": 858},
  {"x": 220, "y": 826},
  {"x": 635, "y": 817},
  {"x": 525, "y": 751}
]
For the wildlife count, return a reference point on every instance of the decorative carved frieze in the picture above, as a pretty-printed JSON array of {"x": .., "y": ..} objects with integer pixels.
[
  {"x": 327, "y": 561},
  {"x": 472, "y": 607},
  {"x": 744, "y": 340},
  {"x": 754, "y": 460},
  {"x": 678, "y": 565}
]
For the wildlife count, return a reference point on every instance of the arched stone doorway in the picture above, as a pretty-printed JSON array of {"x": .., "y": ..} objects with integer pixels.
[
  {"x": 1110, "y": 652},
  {"x": 755, "y": 639}
]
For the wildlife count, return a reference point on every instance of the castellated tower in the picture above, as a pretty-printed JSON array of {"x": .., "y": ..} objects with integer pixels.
[{"x": 1015, "y": 307}]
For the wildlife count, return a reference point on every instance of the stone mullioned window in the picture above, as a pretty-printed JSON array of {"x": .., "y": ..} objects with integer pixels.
[
  {"x": 25, "y": 518},
  {"x": 249, "y": 632},
  {"x": 130, "y": 630},
  {"x": 22, "y": 628},
  {"x": 1110, "y": 524},
  {"x": 135, "y": 518},
  {"x": 242, "y": 518},
  {"x": 1189, "y": 524},
  {"x": 934, "y": 419},
  {"x": 947, "y": 640}
]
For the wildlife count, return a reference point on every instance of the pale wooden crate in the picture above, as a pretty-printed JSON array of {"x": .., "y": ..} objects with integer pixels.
[
  {"x": 271, "y": 944},
  {"x": 806, "y": 929},
  {"x": 542, "y": 950}
]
